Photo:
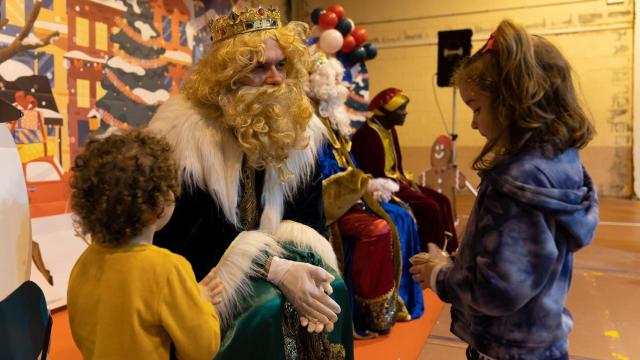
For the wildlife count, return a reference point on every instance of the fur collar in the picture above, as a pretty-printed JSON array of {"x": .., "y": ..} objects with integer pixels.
[{"x": 209, "y": 157}]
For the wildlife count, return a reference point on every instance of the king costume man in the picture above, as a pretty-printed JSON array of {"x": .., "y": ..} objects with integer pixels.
[
  {"x": 377, "y": 151},
  {"x": 246, "y": 141},
  {"x": 372, "y": 237}
]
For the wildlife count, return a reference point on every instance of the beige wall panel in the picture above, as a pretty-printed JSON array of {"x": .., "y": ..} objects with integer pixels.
[
  {"x": 607, "y": 165},
  {"x": 596, "y": 38}
]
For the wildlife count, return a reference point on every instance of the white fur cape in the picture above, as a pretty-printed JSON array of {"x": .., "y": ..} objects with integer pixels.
[{"x": 209, "y": 157}]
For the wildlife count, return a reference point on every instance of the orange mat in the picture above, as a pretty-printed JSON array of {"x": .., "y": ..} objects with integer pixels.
[
  {"x": 62, "y": 345},
  {"x": 405, "y": 341}
]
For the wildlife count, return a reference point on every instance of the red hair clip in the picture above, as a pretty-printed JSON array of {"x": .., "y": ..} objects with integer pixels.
[{"x": 490, "y": 43}]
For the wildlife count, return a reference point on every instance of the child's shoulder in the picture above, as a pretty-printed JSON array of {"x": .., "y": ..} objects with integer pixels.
[
  {"x": 164, "y": 257},
  {"x": 541, "y": 168},
  {"x": 143, "y": 255}
]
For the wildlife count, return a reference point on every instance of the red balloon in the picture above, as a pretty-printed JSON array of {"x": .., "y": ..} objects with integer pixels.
[
  {"x": 328, "y": 20},
  {"x": 348, "y": 44},
  {"x": 338, "y": 10},
  {"x": 360, "y": 35}
]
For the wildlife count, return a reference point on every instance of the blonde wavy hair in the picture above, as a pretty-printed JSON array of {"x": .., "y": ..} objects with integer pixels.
[
  {"x": 269, "y": 121},
  {"x": 533, "y": 94}
]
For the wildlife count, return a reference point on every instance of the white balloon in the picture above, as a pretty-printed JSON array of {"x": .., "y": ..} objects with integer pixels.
[
  {"x": 331, "y": 41},
  {"x": 316, "y": 30}
]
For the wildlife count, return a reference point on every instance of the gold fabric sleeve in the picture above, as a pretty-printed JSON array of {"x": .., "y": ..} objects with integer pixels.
[{"x": 341, "y": 191}]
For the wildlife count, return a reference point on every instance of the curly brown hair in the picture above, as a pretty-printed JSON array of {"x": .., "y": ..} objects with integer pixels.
[
  {"x": 121, "y": 184},
  {"x": 533, "y": 95}
]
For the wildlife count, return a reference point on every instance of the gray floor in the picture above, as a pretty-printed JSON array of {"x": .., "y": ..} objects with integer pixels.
[{"x": 604, "y": 300}]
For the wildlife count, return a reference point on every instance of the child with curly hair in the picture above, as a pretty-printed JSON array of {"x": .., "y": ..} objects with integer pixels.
[
  {"x": 536, "y": 205},
  {"x": 128, "y": 299}
]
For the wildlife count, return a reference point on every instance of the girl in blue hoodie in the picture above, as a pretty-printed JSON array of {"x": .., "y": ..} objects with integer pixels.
[{"x": 535, "y": 208}]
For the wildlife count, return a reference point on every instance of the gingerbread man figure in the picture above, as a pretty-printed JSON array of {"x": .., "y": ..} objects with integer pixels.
[{"x": 444, "y": 176}]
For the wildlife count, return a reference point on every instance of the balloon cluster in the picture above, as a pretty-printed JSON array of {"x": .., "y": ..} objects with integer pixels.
[{"x": 337, "y": 35}]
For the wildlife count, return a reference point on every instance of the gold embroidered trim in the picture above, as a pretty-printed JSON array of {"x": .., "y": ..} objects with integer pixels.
[
  {"x": 391, "y": 167},
  {"x": 248, "y": 202},
  {"x": 299, "y": 344},
  {"x": 377, "y": 314}
]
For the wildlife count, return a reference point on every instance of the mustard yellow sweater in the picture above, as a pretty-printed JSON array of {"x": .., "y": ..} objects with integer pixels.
[{"x": 131, "y": 302}]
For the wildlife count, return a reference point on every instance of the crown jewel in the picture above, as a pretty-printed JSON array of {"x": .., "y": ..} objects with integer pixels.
[{"x": 246, "y": 21}]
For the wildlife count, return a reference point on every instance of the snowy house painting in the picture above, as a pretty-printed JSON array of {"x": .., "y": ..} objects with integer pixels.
[
  {"x": 38, "y": 132},
  {"x": 113, "y": 62}
]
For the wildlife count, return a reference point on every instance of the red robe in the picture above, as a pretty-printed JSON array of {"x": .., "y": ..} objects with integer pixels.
[{"x": 431, "y": 209}]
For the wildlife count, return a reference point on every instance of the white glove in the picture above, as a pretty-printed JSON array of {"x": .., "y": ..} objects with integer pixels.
[
  {"x": 382, "y": 189},
  {"x": 307, "y": 287}
]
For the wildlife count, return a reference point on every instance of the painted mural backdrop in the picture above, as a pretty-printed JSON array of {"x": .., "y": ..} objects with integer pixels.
[{"x": 109, "y": 63}]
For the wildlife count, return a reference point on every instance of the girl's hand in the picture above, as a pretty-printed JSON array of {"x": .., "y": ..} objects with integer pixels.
[
  {"x": 422, "y": 273},
  {"x": 211, "y": 287},
  {"x": 424, "y": 265}
]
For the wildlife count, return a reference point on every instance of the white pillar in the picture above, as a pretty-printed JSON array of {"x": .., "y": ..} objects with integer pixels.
[
  {"x": 15, "y": 225},
  {"x": 636, "y": 101}
]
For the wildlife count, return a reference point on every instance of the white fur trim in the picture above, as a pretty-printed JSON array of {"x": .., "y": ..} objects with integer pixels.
[
  {"x": 210, "y": 158},
  {"x": 303, "y": 236},
  {"x": 301, "y": 163},
  {"x": 240, "y": 261}
]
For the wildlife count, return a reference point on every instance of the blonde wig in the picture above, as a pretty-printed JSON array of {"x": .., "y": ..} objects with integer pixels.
[{"x": 268, "y": 121}]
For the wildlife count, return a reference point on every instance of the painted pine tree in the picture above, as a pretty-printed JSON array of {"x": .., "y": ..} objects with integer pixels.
[{"x": 134, "y": 75}]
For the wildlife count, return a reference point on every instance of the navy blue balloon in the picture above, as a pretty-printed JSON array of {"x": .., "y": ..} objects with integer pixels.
[
  {"x": 371, "y": 51},
  {"x": 358, "y": 55},
  {"x": 315, "y": 15},
  {"x": 344, "y": 59},
  {"x": 344, "y": 26}
]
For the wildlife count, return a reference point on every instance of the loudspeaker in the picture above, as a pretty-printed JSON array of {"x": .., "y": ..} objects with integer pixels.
[{"x": 453, "y": 46}]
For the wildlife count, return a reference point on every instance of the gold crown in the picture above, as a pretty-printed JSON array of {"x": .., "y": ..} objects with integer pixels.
[{"x": 246, "y": 21}]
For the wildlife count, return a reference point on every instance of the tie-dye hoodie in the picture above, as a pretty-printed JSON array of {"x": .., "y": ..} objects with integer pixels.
[{"x": 509, "y": 283}]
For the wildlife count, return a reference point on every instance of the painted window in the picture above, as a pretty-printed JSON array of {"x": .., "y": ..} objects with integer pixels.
[
  {"x": 83, "y": 93},
  {"x": 183, "y": 33},
  {"x": 102, "y": 36},
  {"x": 166, "y": 28},
  {"x": 83, "y": 131},
  {"x": 82, "y": 31},
  {"x": 168, "y": 83}
]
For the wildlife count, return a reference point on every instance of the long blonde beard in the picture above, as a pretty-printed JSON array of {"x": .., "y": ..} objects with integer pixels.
[{"x": 269, "y": 122}]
